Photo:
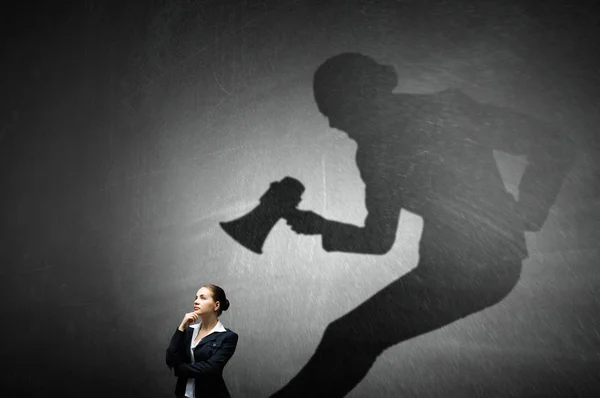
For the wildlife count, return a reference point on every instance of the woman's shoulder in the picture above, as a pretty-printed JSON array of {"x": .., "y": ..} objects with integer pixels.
[
  {"x": 229, "y": 335},
  {"x": 230, "y": 332},
  {"x": 226, "y": 332}
]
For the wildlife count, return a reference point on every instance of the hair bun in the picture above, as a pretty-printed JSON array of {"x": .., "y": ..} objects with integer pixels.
[{"x": 226, "y": 305}]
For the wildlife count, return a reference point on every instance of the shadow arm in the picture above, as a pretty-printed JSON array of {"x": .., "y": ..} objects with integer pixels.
[
  {"x": 549, "y": 154},
  {"x": 378, "y": 234}
]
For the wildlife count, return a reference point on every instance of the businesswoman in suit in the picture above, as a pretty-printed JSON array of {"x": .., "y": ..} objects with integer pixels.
[{"x": 198, "y": 352}]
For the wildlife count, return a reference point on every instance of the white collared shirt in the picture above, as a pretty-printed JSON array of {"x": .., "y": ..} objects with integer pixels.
[{"x": 189, "y": 388}]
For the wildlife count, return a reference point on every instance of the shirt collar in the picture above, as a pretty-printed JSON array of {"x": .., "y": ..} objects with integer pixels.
[{"x": 218, "y": 328}]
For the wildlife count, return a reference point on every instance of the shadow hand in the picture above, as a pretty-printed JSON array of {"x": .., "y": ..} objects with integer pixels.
[{"x": 305, "y": 222}]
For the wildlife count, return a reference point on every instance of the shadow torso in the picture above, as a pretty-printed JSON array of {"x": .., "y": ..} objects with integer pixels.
[{"x": 427, "y": 156}]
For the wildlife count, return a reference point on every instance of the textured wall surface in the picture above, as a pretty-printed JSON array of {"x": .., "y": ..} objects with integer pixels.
[{"x": 128, "y": 133}]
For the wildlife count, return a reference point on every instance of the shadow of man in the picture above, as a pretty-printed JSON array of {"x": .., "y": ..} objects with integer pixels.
[{"x": 432, "y": 155}]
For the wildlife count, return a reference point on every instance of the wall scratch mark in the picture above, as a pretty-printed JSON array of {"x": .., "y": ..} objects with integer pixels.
[{"x": 324, "y": 184}]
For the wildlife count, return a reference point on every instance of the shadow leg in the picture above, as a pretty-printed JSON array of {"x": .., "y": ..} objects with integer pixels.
[{"x": 436, "y": 293}]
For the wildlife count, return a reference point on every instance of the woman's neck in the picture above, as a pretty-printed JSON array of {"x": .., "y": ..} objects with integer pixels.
[{"x": 209, "y": 323}]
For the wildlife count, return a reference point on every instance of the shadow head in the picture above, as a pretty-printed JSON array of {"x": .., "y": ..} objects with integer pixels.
[{"x": 348, "y": 86}]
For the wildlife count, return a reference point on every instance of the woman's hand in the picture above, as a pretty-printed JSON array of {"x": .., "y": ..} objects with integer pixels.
[{"x": 188, "y": 319}]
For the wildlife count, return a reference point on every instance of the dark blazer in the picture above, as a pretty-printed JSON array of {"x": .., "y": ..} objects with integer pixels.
[{"x": 211, "y": 355}]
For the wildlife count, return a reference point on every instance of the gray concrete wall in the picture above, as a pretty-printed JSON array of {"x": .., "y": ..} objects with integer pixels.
[{"x": 128, "y": 135}]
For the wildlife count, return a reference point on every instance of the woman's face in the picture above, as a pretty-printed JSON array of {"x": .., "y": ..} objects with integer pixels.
[{"x": 204, "y": 303}]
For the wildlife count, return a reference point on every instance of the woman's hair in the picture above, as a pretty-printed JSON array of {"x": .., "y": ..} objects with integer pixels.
[
  {"x": 218, "y": 295},
  {"x": 350, "y": 76}
]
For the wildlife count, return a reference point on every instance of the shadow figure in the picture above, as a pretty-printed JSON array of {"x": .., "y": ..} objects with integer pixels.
[{"x": 431, "y": 155}]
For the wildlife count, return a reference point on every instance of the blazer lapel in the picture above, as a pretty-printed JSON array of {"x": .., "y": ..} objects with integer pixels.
[{"x": 208, "y": 339}]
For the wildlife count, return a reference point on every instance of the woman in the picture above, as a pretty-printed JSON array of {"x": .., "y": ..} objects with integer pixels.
[
  {"x": 199, "y": 352},
  {"x": 432, "y": 155}
]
